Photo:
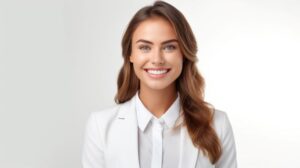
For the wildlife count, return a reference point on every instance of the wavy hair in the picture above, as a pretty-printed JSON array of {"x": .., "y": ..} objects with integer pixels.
[{"x": 198, "y": 114}]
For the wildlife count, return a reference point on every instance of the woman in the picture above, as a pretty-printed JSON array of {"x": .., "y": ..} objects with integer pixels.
[{"x": 161, "y": 119}]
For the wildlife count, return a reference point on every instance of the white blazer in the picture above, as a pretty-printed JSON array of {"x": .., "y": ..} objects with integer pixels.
[{"x": 111, "y": 141}]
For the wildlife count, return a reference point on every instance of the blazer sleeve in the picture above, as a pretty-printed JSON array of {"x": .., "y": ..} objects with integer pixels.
[
  {"x": 228, "y": 157},
  {"x": 92, "y": 154}
]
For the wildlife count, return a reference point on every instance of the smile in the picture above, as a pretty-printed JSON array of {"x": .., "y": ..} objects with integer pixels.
[{"x": 157, "y": 73}]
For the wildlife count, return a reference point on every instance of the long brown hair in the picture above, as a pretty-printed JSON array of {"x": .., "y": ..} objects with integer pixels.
[{"x": 198, "y": 114}]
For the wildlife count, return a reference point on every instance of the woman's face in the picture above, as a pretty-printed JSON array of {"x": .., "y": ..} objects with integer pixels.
[{"x": 156, "y": 56}]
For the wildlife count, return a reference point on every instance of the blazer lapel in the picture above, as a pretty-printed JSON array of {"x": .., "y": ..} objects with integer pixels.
[{"x": 128, "y": 135}]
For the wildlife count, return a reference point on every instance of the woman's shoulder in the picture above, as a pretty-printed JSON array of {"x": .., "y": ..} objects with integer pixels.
[
  {"x": 221, "y": 123},
  {"x": 219, "y": 116},
  {"x": 106, "y": 112},
  {"x": 109, "y": 112}
]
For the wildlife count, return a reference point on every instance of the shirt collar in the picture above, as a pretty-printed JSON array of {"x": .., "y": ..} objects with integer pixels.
[{"x": 144, "y": 115}]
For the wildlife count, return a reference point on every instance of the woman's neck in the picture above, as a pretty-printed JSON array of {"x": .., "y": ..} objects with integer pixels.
[{"x": 158, "y": 101}]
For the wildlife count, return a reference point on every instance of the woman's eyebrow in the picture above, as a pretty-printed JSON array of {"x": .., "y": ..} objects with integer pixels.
[{"x": 149, "y": 42}]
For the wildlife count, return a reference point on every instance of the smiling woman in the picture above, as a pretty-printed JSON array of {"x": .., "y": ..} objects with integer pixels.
[{"x": 161, "y": 119}]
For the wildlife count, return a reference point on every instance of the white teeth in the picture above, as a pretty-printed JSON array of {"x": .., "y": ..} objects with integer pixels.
[{"x": 157, "y": 72}]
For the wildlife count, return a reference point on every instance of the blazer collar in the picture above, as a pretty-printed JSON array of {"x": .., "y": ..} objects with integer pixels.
[{"x": 128, "y": 134}]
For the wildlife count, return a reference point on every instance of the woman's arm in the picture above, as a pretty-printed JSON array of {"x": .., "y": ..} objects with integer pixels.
[
  {"x": 92, "y": 155},
  {"x": 228, "y": 157}
]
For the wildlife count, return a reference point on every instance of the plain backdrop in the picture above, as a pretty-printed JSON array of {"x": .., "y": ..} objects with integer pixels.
[{"x": 59, "y": 61}]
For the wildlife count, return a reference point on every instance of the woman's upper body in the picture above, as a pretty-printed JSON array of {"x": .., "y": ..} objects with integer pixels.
[
  {"x": 111, "y": 140},
  {"x": 159, "y": 51}
]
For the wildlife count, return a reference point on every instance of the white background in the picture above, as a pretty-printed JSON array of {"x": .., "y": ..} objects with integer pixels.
[{"x": 59, "y": 61}]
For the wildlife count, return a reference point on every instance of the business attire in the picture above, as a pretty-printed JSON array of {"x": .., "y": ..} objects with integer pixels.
[
  {"x": 128, "y": 136},
  {"x": 159, "y": 143}
]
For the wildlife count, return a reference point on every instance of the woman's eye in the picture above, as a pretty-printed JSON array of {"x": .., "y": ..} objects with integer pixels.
[
  {"x": 170, "y": 47},
  {"x": 144, "y": 48}
]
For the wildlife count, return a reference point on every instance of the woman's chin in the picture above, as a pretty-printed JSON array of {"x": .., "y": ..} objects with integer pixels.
[{"x": 157, "y": 85}]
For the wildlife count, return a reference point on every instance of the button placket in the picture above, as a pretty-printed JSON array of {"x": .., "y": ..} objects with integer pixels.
[{"x": 157, "y": 142}]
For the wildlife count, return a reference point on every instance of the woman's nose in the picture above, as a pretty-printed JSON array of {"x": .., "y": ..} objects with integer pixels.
[{"x": 157, "y": 57}]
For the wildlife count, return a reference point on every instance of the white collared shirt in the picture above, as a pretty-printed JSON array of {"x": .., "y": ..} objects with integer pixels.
[{"x": 171, "y": 137}]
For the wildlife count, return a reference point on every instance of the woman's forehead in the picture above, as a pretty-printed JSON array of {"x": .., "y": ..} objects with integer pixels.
[{"x": 154, "y": 29}]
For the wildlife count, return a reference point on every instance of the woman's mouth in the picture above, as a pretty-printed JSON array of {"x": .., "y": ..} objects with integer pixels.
[{"x": 157, "y": 73}]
